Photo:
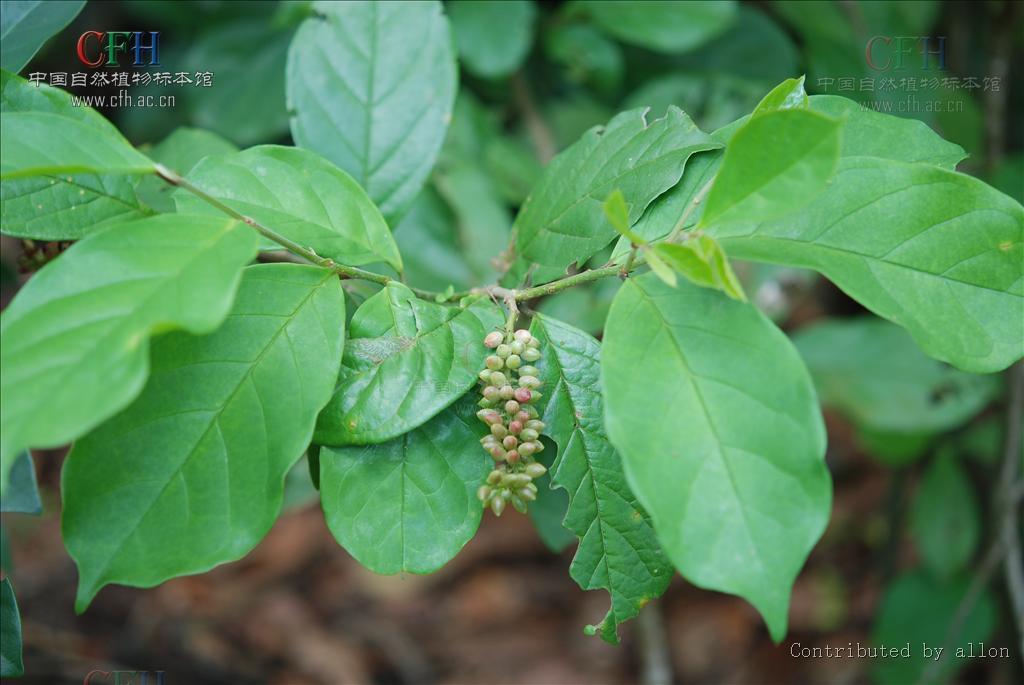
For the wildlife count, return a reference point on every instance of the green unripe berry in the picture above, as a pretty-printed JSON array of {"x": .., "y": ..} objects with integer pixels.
[
  {"x": 538, "y": 446},
  {"x": 531, "y": 411},
  {"x": 533, "y": 342},
  {"x": 511, "y": 407},
  {"x": 482, "y": 493},
  {"x": 530, "y": 354},
  {"x": 526, "y": 449},
  {"x": 493, "y": 339},
  {"x": 498, "y": 379},
  {"x": 499, "y": 430},
  {"x": 535, "y": 470},
  {"x": 494, "y": 363},
  {"x": 513, "y": 361},
  {"x": 503, "y": 351},
  {"x": 510, "y": 442},
  {"x": 492, "y": 393},
  {"x": 494, "y": 477},
  {"x": 520, "y": 480},
  {"x": 506, "y": 392},
  {"x": 528, "y": 370},
  {"x": 535, "y": 425},
  {"x": 529, "y": 435},
  {"x": 535, "y": 395},
  {"x": 485, "y": 403},
  {"x": 522, "y": 335},
  {"x": 527, "y": 494},
  {"x": 485, "y": 375},
  {"x": 532, "y": 487},
  {"x": 498, "y": 505},
  {"x": 529, "y": 382},
  {"x": 519, "y": 503},
  {"x": 517, "y": 347}
]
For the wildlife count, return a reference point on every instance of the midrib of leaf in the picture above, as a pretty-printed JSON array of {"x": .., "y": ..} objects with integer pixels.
[
  {"x": 691, "y": 378},
  {"x": 214, "y": 423},
  {"x": 374, "y": 28},
  {"x": 20, "y": 20},
  {"x": 65, "y": 181}
]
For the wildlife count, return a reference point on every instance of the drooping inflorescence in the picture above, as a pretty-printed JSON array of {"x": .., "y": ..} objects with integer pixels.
[{"x": 509, "y": 386}]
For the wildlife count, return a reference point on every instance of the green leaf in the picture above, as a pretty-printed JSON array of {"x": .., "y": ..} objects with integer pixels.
[
  {"x": 301, "y": 196},
  {"x": 563, "y": 219},
  {"x": 191, "y": 474},
  {"x": 26, "y": 25},
  {"x": 68, "y": 207},
  {"x": 659, "y": 267},
  {"x": 75, "y": 338},
  {"x": 944, "y": 517},
  {"x": 872, "y": 371},
  {"x": 617, "y": 213},
  {"x": 492, "y": 38},
  {"x": 372, "y": 85},
  {"x": 43, "y": 133},
  {"x": 702, "y": 260},
  {"x": 20, "y": 493},
  {"x": 408, "y": 504},
  {"x": 789, "y": 94},
  {"x": 918, "y": 610},
  {"x": 406, "y": 360},
  {"x": 664, "y": 26},
  {"x": 872, "y": 134},
  {"x": 935, "y": 251},
  {"x": 247, "y": 57},
  {"x": 721, "y": 439},
  {"x": 180, "y": 151},
  {"x": 482, "y": 221},
  {"x": 618, "y": 551},
  {"x": 865, "y": 134},
  {"x": 428, "y": 239},
  {"x": 10, "y": 632},
  {"x": 588, "y": 58},
  {"x": 774, "y": 165}
]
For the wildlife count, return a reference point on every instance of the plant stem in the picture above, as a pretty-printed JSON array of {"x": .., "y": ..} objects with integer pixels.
[
  {"x": 342, "y": 270},
  {"x": 628, "y": 266},
  {"x": 697, "y": 199}
]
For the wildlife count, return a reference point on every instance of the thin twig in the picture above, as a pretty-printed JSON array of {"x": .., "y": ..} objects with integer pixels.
[
  {"x": 628, "y": 266},
  {"x": 654, "y": 655},
  {"x": 697, "y": 199}
]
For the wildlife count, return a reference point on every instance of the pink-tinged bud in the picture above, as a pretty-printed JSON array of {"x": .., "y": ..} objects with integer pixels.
[
  {"x": 510, "y": 442},
  {"x": 498, "y": 453},
  {"x": 493, "y": 339},
  {"x": 494, "y": 363},
  {"x": 493, "y": 417},
  {"x": 512, "y": 457},
  {"x": 522, "y": 335},
  {"x": 511, "y": 407},
  {"x": 522, "y": 417},
  {"x": 514, "y": 427},
  {"x": 522, "y": 395}
]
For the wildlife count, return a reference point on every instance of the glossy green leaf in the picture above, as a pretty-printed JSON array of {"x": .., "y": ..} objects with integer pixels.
[
  {"x": 702, "y": 260},
  {"x": 493, "y": 38},
  {"x": 20, "y": 493},
  {"x": 191, "y": 474},
  {"x": 43, "y": 133},
  {"x": 563, "y": 219},
  {"x": 665, "y": 25},
  {"x": 919, "y": 610},
  {"x": 75, "y": 338},
  {"x": 872, "y": 371},
  {"x": 935, "y": 251},
  {"x": 721, "y": 438},
  {"x": 179, "y": 152},
  {"x": 774, "y": 165},
  {"x": 301, "y": 196},
  {"x": 11, "y": 664},
  {"x": 406, "y": 360},
  {"x": 617, "y": 213},
  {"x": 872, "y": 134},
  {"x": 372, "y": 85},
  {"x": 408, "y": 504},
  {"x": 618, "y": 551},
  {"x": 659, "y": 267},
  {"x": 482, "y": 221},
  {"x": 945, "y": 520},
  {"x": 789, "y": 94},
  {"x": 26, "y": 24}
]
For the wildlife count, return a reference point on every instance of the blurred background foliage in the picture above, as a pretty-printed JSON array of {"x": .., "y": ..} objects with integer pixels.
[{"x": 915, "y": 446}]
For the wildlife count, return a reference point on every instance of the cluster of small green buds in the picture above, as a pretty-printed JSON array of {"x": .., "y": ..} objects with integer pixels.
[{"x": 510, "y": 390}]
